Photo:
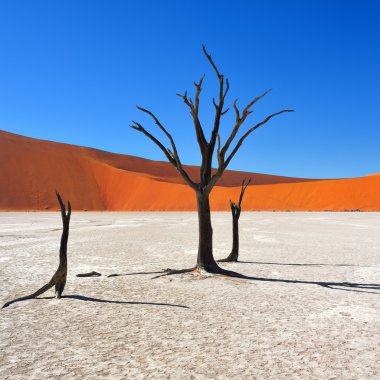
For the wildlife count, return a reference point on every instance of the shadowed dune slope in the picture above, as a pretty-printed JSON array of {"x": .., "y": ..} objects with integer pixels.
[{"x": 31, "y": 170}]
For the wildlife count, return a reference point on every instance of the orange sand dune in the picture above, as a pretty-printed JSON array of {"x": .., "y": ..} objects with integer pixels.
[{"x": 31, "y": 170}]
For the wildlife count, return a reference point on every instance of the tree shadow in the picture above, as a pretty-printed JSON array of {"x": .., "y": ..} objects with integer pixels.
[
  {"x": 347, "y": 286},
  {"x": 342, "y": 285},
  {"x": 304, "y": 265},
  {"x": 92, "y": 299}
]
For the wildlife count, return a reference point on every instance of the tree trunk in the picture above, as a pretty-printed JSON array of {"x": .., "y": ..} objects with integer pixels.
[
  {"x": 59, "y": 278},
  {"x": 60, "y": 275},
  {"x": 233, "y": 256},
  {"x": 205, "y": 259}
]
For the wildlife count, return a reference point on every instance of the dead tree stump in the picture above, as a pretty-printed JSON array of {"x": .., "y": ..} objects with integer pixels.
[
  {"x": 236, "y": 210},
  {"x": 59, "y": 278}
]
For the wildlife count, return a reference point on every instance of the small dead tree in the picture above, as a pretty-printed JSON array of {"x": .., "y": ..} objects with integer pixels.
[
  {"x": 236, "y": 210},
  {"x": 208, "y": 177},
  {"x": 59, "y": 278}
]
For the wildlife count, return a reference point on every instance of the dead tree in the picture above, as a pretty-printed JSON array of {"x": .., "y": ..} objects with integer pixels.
[
  {"x": 208, "y": 177},
  {"x": 59, "y": 278},
  {"x": 236, "y": 210}
]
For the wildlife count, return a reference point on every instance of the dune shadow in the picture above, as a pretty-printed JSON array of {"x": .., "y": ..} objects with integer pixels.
[
  {"x": 92, "y": 299},
  {"x": 295, "y": 264}
]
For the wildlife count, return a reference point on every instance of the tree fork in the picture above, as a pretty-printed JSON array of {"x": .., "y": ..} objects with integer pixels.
[
  {"x": 59, "y": 278},
  {"x": 207, "y": 178}
]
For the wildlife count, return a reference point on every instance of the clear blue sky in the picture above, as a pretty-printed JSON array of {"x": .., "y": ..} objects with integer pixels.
[{"x": 72, "y": 71}]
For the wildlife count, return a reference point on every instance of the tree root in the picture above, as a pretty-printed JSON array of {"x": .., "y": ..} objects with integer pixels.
[
  {"x": 40, "y": 291},
  {"x": 215, "y": 270},
  {"x": 227, "y": 260},
  {"x": 169, "y": 272},
  {"x": 231, "y": 258},
  {"x": 224, "y": 272}
]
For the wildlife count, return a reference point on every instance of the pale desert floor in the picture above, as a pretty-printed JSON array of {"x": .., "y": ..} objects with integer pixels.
[{"x": 311, "y": 310}]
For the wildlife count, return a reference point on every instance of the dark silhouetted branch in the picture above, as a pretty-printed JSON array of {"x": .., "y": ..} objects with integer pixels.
[{"x": 241, "y": 140}]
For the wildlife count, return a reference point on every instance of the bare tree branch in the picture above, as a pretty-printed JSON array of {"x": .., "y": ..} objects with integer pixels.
[
  {"x": 199, "y": 89},
  {"x": 194, "y": 112},
  {"x": 241, "y": 140},
  {"x": 240, "y": 120},
  {"x": 206, "y": 168},
  {"x": 208, "y": 179},
  {"x": 162, "y": 128},
  {"x": 243, "y": 188},
  {"x": 220, "y": 158},
  {"x": 138, "y": 127},
  {"x": 227, "y": 88},
  {"x": 222, "y": 95},
  {"x": 171, "y": 156},
  {"x": 236, "y": 109},
  {"x": 211, "y": 61},
  {"x": 224, "y": 163},
  {"x": 62, "y": 205},
  {"x": 214, "y": 179},
  {"x": 248, "y": 107}
]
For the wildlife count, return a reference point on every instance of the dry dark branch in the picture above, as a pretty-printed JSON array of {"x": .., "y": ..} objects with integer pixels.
[
  {"x": 240, "y": 120},
  {"x": 194, "y": 112},
  {"x": 211, "y": 61},
  {"x": 89, "y": 274},
  {"x": 241, "y": 140},
  {"x": 131, "y": 273},
  {"x": 243, "y": 188},
  {"x": 162, "y": 128},
  {"x": 247, "y": 109},
  {"x": 207, "y": 180},
  {"x": 59, "y": 278},
  {"x": 172, "y": 157},
  {"x": 218, "y": 106}
]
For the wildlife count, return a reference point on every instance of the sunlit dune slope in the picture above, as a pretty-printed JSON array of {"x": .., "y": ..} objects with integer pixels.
[{"x": 31, "y": 170}]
